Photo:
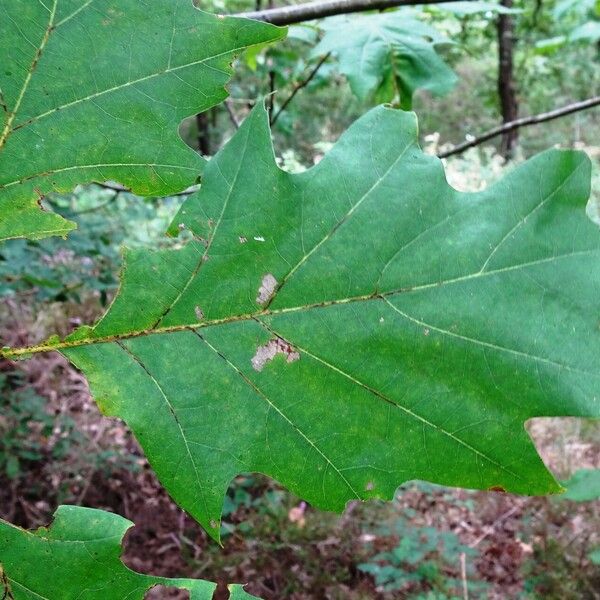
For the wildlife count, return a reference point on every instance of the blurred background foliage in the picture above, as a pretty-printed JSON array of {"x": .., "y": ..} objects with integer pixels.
[{"x": 430, "y": 542}]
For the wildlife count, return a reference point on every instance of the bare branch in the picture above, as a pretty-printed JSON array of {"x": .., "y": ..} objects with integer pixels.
[
  {"x": 117, "y": 187},
  {"x": 522, "y": 122},
  {"x": 232, "y": 116},
  {"x": 287, "y": 15},
  {"x": 299, "y": 86}
]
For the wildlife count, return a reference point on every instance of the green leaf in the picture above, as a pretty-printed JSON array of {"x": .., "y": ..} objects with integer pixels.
[
  {"x": 550, "y": 45},
  {"x": 387, "y": 56},
  {"x": 95, "y": 90},
  {"x": 587, "y": 32},
  {"x": 469, "y": 8},
  {"x": 79, "y": 556},
  {"x": 584, "y": 486},
  {"x": 576, "y": 7},
  {"x": 355, "y": 326}
]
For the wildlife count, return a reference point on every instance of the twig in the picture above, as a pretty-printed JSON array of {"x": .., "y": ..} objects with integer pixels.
[
  {"x": 489, "y": 530},
  {"x": 232, "y": 115},
  {"x": 299, "y": 86},
  {"x": 76, "y": 213},
  {"x": 271, "y": 94},
  {"x": 115, "y": 187},
  {"x": 287, "y": 15},
  {"x": 522, "y": 122},
  {"x": 463, "y": 575}
]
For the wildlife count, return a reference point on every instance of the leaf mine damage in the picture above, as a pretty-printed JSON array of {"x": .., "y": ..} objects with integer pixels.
[
  {"x": 267, "y": 289},
  {"x": 270, "y": 350}
]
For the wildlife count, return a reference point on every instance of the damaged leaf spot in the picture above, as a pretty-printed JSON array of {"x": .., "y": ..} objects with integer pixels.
[
  {"x": 266, "y": 289},
  {"x": 199, "y": 314},
  {"x": 497, "y": 488},
  {"x": 270, "y": 350},
  {"x": 243, "y": 239}
]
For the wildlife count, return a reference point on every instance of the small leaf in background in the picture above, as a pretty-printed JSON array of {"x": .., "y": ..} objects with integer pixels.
[
  {"x": 387, "y": 56},
  {"x": 465, "y": 9},
  {"x": 584, "y": 486},
  {"x": 80, "y": 107},
  {"x": 79, "y": 556}
]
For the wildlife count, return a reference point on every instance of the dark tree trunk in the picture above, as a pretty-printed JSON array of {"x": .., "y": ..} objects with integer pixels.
[
  {"x": 203, "y": 125},
  {"x": 506, "y": 82}
]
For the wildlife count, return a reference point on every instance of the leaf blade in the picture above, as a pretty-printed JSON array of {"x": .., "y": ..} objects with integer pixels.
[
  {"x": 411, "y": 331},
  {"x": 78, "y": 555},
  {"x": 80, "y": 108}
]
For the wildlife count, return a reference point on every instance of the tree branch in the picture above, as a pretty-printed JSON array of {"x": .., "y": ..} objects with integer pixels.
[
  {"x": 117, "y": 187},
  {"x": 232, "y": 116},
  {"x": 299, "y": 86},
  {"x": 287, "y": 15},
  {"x": 522, "y": 122}
]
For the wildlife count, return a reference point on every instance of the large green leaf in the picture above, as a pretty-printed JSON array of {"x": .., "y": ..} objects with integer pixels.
[
  {"x": 78, "y": 557},
  {"x": 95, "y": 90},
  {"x": 387, "y": 56},
  {"x": 355, "y": 326}
]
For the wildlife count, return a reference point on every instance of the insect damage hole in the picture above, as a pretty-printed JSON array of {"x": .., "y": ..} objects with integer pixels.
[
  {"x": 270, "y": 350},
  {"x": 162, "y": 592},
  {"x": 267, "y": 288}
]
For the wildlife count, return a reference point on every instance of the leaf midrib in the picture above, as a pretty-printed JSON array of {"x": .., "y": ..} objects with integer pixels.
[
  {"x": 48, "y": 172},
  {"x": 381, "y": 296}
]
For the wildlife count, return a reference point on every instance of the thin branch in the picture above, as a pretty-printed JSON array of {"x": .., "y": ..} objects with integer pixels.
[
  {"x": 463, "y": 575},
  {"x": 287, "y": 15},
  {"x": 232, "y": 116},
  {"x": 299, "y": 86},
  {"x": 96, "y": 208},
  {"x": 489, "y": 530},
  {"x": 271, "y": 95},
  {"x": 115, "y": 187},
  {"x": 522, "y": 122}
]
